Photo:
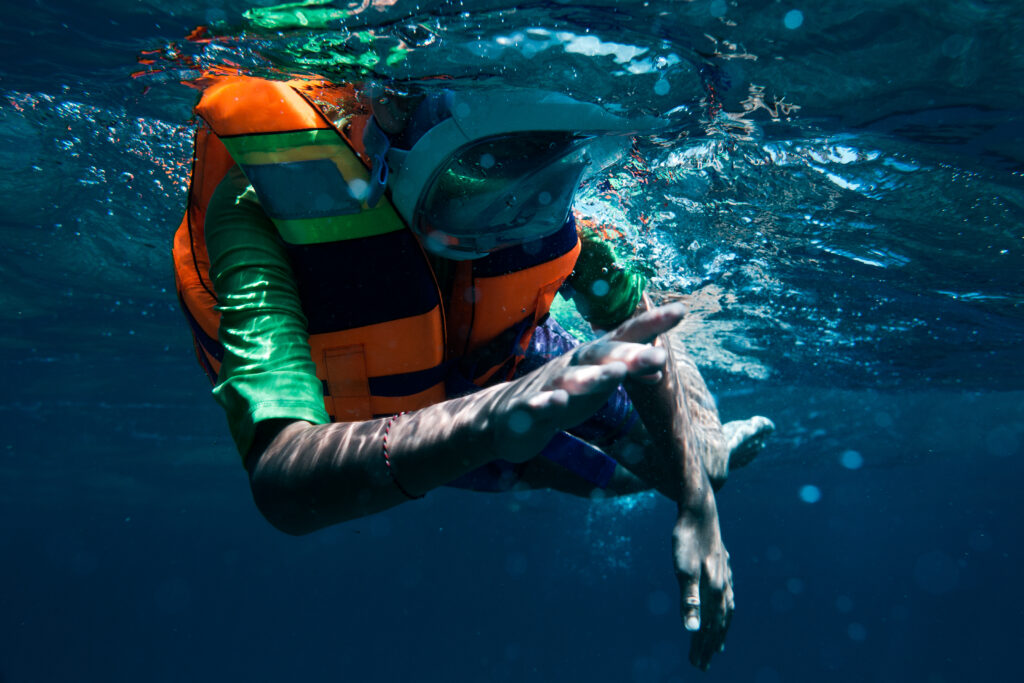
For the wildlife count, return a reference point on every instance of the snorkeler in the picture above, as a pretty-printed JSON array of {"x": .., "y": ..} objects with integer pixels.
[{"x": 370, "y": 297}]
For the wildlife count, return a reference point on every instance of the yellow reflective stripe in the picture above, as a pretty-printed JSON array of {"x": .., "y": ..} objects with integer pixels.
[
  {"x": 271, "y": 142},
  {"x": 369, "y": 222},
  {"x": 347, "y": 162},
  {"x": 310, "y": 145},
  {"x": 328, "y": 147},
  {"x": 350, "y": 166}
]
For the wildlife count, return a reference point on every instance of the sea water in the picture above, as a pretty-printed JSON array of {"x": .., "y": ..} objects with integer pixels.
[{"x": 839, "y": 201}]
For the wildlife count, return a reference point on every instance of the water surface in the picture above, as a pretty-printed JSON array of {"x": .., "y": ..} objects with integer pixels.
[{"x": 840, "y": 200}]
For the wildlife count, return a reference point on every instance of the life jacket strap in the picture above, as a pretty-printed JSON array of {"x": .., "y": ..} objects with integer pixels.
[
  {"x": 582, "y": 459},
  {"x": 376, "y": 143}
]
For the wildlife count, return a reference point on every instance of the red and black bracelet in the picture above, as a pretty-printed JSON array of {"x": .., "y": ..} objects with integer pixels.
[{"x": 387, "y": 458}]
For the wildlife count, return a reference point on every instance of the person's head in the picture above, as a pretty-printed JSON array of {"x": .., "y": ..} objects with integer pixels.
[{"x": 476, "y": 171}]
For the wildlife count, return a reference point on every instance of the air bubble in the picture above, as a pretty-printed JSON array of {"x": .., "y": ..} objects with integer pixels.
[
  {"x": 358, "y": 188},
  {"x": 852, "y": 460},
  {"x": 794, "y": 19},
  {"x": 519, "y": 422},
  {"x": 810, "y": 493}
]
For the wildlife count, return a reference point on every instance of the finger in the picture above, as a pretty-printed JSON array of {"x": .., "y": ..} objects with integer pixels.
[
  {"x": 645, "y": 327},
  {"x": 699, "y": 649},
  {"x": 716, "y": 619},
  {"x": 548, "y": 404},
  {"x": 645, "y": 302},
  {"x": 690, "y": 606},
  {"x": 652, "y": 379},
  {"x": 730, "y": 609},
  {"x": 705, "y": 642},
  {"x": 714, "y": 632},
  {"x": 696, "y": 649},
  {"x": 590, "y": 379},
  {"x": 538, "y": 412},
  {"x": 729, "y": 596},
  {"x": 640, "y": 359}
]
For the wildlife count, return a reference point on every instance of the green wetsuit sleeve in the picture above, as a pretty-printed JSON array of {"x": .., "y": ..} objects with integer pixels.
[
  {"x": 605, "y": 291},
  {"x": 267, "y": 371}
]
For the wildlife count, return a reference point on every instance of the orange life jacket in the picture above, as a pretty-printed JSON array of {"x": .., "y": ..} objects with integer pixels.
[{"x": 381, "y": 336}]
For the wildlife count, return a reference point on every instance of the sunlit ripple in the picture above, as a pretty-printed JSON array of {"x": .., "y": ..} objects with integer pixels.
[{"x": 815, "y": 237}]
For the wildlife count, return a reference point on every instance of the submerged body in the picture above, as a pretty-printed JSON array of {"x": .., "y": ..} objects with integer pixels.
[{"x": 259, "y": 261}]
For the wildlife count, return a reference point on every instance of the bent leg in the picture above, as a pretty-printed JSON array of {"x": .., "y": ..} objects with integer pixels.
[
  {"x": 721, "y": 448},
  {"x": 616, "y": 429},
  {"x": 745, "y": 439}
]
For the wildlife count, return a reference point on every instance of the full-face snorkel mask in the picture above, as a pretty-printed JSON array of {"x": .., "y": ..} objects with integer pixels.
[{"x": 474, "y": 172}]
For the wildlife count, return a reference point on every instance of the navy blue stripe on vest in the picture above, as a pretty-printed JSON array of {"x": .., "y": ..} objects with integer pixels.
[
  {"x": 353, "y": 283},
  {"x": 528, "y": 255},
  {"x": 209, "y": 344},
  {"x": 408, "y": 383}
]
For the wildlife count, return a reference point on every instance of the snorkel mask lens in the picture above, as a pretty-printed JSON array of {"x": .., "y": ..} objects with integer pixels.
[
  {"x": 478, "y": 171},
  {"x": 502, "y": 191}
]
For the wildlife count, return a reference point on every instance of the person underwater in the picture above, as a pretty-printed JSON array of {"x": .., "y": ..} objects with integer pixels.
[{"x": 368, "y": 278}]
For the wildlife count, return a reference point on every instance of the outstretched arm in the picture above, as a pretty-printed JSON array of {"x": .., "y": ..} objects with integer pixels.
[{"x": 305, "y": 476}]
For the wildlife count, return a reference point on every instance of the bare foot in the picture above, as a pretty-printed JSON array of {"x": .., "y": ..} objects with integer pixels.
[
  {"x": 742, "y": 441},
  {"x": 745, "y": 438}
]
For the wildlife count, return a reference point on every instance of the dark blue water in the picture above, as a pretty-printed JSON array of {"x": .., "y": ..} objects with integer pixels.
[{"x": 840, "y": 199}]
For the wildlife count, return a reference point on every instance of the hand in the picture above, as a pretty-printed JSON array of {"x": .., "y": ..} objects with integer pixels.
[
  {"x": 528, "y": 411},
  {"x": 685, "y": 430},
  {"x": 705, "y": 577}
]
